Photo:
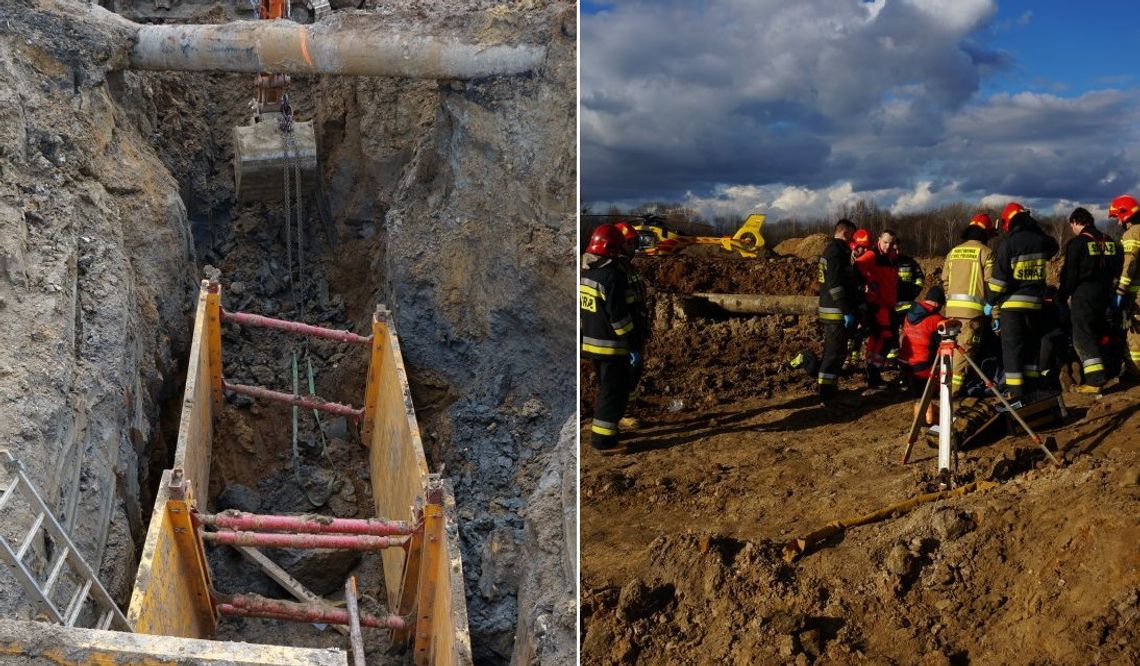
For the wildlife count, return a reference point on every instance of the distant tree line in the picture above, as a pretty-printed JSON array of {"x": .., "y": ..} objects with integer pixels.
[{"x": 927, "y": 233}]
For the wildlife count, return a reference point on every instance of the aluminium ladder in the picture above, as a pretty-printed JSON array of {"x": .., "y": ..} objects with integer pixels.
[{"x": 84, "y": 579}]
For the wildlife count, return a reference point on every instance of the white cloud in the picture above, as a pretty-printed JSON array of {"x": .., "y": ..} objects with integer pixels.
[{"x": 802, "y": 106}]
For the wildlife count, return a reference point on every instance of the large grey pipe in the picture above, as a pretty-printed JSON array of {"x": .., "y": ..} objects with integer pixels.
[{"x": 361, "y": 48}]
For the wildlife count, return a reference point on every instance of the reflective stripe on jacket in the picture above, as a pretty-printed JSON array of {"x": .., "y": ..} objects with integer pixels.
[
  {"x": 838, "y": 286},
  {"x": 964, "y": 275},
  {"x": 1018, "y": 279},
  {"x": 1129, "y": 282},
  {"x": 608, "y": 329}
]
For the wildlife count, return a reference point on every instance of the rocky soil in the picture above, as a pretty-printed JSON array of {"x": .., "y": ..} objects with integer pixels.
[
  {"x": 96, "y": 276},
  {"x": 682, "y": 532},
  {"x": 452, "y": 203}
]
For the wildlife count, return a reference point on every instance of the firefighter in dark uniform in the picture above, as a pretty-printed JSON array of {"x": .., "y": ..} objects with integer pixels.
[
  {"x": 1092, "y": 262},
  {"x": 637, "y": 300},
  {"x": 1016, "y": 293},
  {"x": 609, "y": 335},
  {"x": 911, "y": 281},
  {"x": 839, "y": 301}
]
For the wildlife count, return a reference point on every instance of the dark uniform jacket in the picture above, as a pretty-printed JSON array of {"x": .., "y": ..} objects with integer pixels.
[
  {"x": 1092, "y": 261},
  {"x": 608, "y": 329},
  {"x": 636, "y": 298},
  {"x": 911, "y": 279},
  {"x": 1018, "y": 280},
  {"x": 838, "y": 285}
]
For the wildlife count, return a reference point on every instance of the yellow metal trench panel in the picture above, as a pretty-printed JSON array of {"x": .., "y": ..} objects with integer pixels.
[
  {"x": 165, "y": 600},
  {"x": 396, "y": 459},
  {"x": 196, "y": 427},
  {"x": 399, "y": 478},
  {"x": 40, "y": 643}
]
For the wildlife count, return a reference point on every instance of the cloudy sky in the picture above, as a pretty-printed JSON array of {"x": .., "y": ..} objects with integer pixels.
[{"x": 796, "y": 107}]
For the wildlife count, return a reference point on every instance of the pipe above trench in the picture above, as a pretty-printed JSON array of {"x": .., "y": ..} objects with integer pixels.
[{"x": 346, "y": 48}]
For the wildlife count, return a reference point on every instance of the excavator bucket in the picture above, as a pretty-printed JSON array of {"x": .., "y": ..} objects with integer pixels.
[{"x": 261, "y": 155}]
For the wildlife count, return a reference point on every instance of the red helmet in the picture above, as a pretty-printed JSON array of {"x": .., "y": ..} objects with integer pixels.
[
  {"x": 861, "y": 238},
  {"x": 1012, "y": 209},
  {"x": 627, "y": 231},
  {"x": 1123, "y": 208},
  {"x": 606, "y": 241},
  {"x": 984, "y": 222}
]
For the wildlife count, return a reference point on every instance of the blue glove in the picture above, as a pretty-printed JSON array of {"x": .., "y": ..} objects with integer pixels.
[
  {"x": 1118, "y": 301},
  {"x": 849, "y": 321},
  {"x": 987, "y": 310},
  {"x": 634, "y": 359},
  {"x": 996, "y": 326}
]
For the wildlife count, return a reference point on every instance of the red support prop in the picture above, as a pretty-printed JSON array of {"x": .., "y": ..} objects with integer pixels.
[
  {"x": 335, "y": 541},
  {"x": 247, "y": 319},
  {"x": 312, "y": 402},
  {"x": 312, "y": 524},
  {"x": 252, "y": 605}
]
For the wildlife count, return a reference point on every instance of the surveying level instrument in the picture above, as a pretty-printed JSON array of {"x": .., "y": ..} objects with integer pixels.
[{"x": 943, "y": 371}]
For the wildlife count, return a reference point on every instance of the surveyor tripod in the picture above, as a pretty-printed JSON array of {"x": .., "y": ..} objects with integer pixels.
[{"x": 943, "y": 370}]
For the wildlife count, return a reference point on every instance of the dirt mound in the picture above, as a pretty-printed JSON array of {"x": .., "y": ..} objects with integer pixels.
[
  {"x": 687, "y": 275},
  {"x": 1038, "y": 570},
  {"x": 923, "y": 586},
  {"x": 808, "y": 248}
]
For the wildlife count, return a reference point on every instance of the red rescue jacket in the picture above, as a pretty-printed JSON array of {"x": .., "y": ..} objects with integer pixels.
[
  {"x": 920, "y": 337},
  {"x": 881, "y": 277}
]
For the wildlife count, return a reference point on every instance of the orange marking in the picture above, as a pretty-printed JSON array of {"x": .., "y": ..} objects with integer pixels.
[{"x": 305, "y": 48}]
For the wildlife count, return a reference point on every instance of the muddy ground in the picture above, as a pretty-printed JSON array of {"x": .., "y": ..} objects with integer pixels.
[{"x": 682, "y": 531}]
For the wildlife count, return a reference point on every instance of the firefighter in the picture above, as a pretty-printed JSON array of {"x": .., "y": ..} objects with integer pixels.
[
  {"x": 609, "y": 336},
  {"x": 919, "y": 339},
  {"x": 1016, "y": 291},
  {"x": 1126, "y": 210},
  {"x": 964, "y": 274},
  {"x": 881, "y": 284},
  {"x": 911, "y": 281},
  {"x": 635, "y": 298},
  {"x": 1092, "y": 262},
  {"x": 839, "y": 300}
]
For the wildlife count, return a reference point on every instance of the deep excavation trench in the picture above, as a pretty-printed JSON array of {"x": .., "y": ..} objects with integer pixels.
[
  {"x": 339, "y": 269},
  {"x": 451, "y": 203}
]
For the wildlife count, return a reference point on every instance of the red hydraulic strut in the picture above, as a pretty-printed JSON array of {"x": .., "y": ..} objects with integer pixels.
[
  {"x": 312, "y": 402},
  {"x": 273, "y": 540},
  {"x": 247, "y": 319},
  {"x": 315, "y": 524},
  {"x": 252, "y": 605}
]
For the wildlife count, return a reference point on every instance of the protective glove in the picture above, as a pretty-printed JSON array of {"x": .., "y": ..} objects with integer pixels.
[
  {"x": 635, "y": 359},
  {"x": 996, "y": 325},
  {"x": 1118, "y": 301},
  {"x": 849, "y": 321},
  {"x": 987, "y": 310}
]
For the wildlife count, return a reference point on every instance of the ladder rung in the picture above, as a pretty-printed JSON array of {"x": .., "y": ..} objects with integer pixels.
[
  {"x": 105, "y": 621},
  {"x": 9, "y": 491},
  {"x": 76, "y": 604},
  {"x": 56, "y": 568},
  {"x": 28, "y": 540}
]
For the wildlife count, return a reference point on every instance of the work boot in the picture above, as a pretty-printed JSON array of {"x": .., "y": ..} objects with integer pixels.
[
  {"x": 875, "y": 378},
  {"x": 629, "y": 423}
]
